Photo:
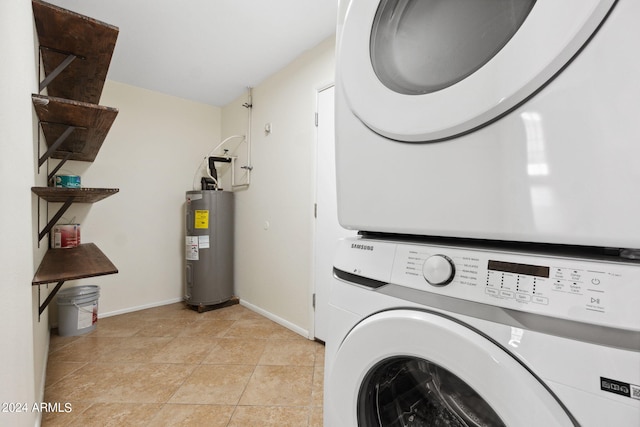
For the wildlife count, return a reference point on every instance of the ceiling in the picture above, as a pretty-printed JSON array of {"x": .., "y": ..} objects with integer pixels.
[{"x": 207, "y": 51}]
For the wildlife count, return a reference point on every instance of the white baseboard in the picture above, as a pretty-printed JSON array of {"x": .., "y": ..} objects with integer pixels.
[
  {"x": 285, "y": 323},
  {"x": 138, "y": 308},
  {"x": 278, "y": 320}
]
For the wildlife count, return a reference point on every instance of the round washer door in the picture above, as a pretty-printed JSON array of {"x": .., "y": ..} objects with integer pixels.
[
  {"x": 426, "y": 70},
  {"x": 416, "y": 368}
]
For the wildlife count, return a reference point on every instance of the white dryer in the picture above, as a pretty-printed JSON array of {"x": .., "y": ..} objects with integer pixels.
[
  {"x": 426, "y": 335},
  {"x": 512, "y": 120}
]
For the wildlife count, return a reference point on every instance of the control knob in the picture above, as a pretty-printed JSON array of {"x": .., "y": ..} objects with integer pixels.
[{"x": 438, "y": 270}]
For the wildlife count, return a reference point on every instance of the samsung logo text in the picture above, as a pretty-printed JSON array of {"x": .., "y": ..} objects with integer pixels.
[{"x": 361, "y": 247}]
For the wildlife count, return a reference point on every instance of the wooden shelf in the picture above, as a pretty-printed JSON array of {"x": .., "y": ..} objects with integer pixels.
[
  {"x": 79, "y": 195},
  {"x": 68, "y": 196},
  {"x": 75, "y": 53},
  {"x": 83, "y": 261},
  {"x": 62, "y": 33},
  {"x": 91, "y": 122}
]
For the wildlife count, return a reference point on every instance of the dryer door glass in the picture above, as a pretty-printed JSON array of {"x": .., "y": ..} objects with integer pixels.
[
  {"x": 422, "y": 46},
  {"x": 412, "y": 392}
]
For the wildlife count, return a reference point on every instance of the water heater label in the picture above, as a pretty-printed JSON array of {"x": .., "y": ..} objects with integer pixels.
[
  {"x": 202, "y": 219},
  {"x": 191, "y": 248},
  {"x": 203, "y": 242}
]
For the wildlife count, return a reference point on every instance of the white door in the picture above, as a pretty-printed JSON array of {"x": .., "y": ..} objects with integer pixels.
[
  {"x": 411, "y": 367},
  {"x": 424, "y": 70},
  {"x": 328, "y": 231}
]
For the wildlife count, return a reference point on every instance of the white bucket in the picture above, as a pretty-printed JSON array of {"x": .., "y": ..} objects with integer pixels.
[{"x": 77, "y": 310}]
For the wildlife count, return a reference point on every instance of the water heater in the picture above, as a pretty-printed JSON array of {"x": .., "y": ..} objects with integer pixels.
[{"x": 209, "y": 248}]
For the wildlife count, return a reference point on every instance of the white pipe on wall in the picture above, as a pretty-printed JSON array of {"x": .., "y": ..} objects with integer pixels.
[{"x": 248, "y": 167}]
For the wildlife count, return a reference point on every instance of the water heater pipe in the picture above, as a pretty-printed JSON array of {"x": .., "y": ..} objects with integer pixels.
[{"x": 205, "y": 160}]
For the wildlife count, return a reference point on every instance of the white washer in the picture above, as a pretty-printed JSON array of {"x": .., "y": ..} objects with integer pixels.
[
  {"x": 510, "y": 120},
  {"x": 425, "y": 335}
]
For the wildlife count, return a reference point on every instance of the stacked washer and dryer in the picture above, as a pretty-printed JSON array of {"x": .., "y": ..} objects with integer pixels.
[{"x": 487, "y": 152}]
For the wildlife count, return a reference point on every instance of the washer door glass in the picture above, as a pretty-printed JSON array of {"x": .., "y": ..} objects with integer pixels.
[
  {"x": 417, "y": 368},
  {"x": 420, "y": 47},
  {"x": 412, "y": 392}
]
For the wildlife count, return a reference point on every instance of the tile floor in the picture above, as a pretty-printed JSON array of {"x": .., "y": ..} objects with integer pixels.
[{"x": 172, "y": 366}]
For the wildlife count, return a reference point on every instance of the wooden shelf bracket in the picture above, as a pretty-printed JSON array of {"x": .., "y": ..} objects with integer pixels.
[
  {"x": 55, "y": 218},
  {"x": 59, "y": 69},
  {"x": 57, "y": 168},
  {"x": 58, "y": 142},
  {"x": 42, "y": 307}
]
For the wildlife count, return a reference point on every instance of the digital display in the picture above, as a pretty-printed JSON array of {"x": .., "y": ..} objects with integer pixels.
[{"x": 510, "y": 267}]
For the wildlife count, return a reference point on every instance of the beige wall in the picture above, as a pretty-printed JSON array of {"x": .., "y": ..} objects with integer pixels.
[
  {"x": 274, "y": 216},
  {"x": 151, "y": 154},
  {"x": 23, "y": 338}
]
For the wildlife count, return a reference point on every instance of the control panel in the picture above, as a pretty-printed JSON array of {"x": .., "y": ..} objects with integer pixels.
[{"x": 592, "y": 291}]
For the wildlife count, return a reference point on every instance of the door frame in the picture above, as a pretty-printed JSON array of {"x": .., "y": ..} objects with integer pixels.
[{"x": 313, "y": 292}]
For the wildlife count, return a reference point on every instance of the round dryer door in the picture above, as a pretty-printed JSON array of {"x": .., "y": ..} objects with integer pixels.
[
  {"x": 417, "y": 368},
  {"x": 426, "y": 70}
]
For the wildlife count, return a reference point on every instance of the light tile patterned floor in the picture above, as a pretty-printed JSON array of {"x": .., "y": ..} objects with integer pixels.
[{"x": 172, "y": 366}]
